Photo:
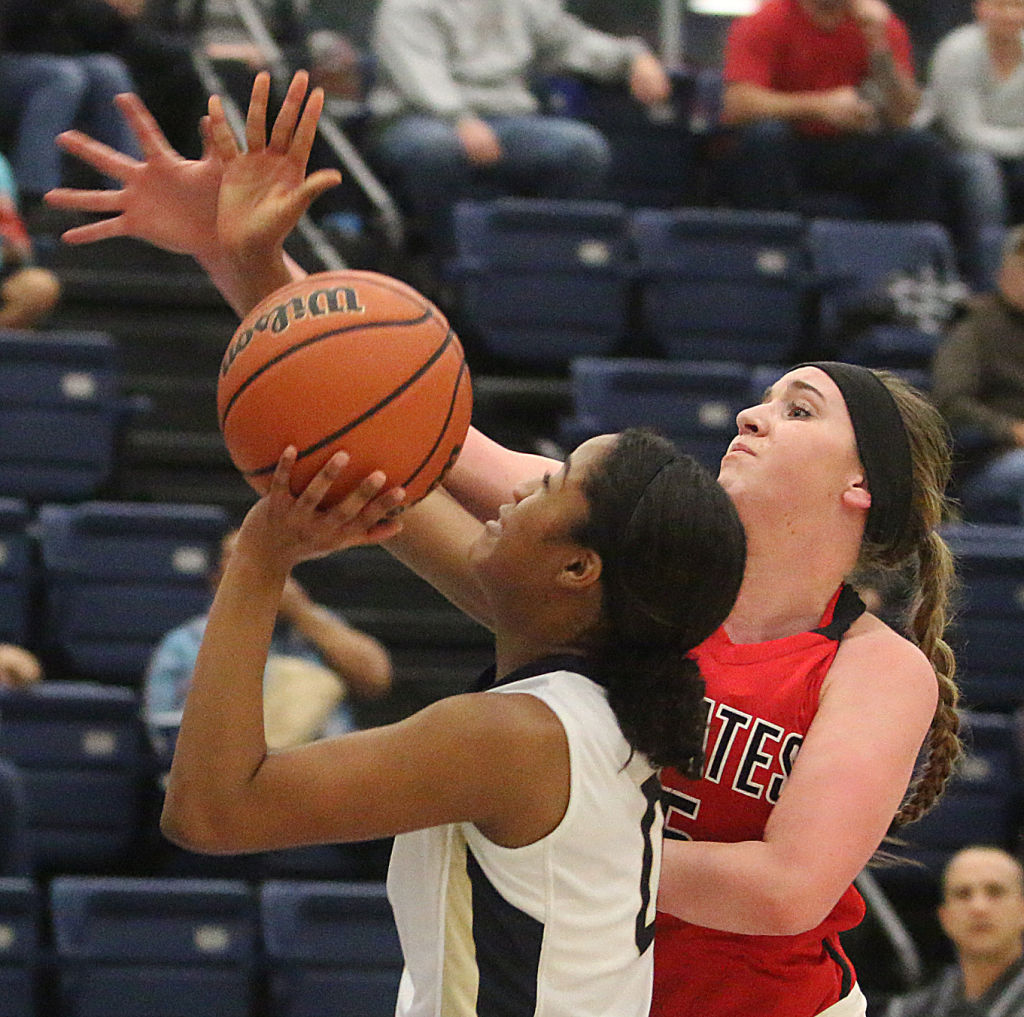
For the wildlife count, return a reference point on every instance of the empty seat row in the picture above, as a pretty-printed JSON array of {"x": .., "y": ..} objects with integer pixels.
[
  {"x": 541, "y": 281},
  {"x": 141, "y": 947},
  {"x": 94, "y": 585}
]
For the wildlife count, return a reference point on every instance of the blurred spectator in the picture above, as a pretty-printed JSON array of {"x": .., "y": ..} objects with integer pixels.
[
  {"x": 975, "y": 99},
  {"x": 18, "y": 667},
  {"x": 28, "y": 293},
  {"x": 452, "y": 104},
  {"x": 58, "y": 69},
  {"x": 982, "y": 913},
  {"x": 978, "y": 381},
  {"x": 315, "y": 660},
  {"x": 821, "y": 94}
]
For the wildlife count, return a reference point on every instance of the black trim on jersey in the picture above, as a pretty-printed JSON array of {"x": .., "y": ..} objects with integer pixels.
[
  {"x": 545, "y": 665},
  {"x": 849, "y": 607},
  {"x": 507, "y": 943},
  {"x": 847, "y": 983}
]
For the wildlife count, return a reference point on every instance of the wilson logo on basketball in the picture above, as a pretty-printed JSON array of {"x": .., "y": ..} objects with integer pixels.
[{"x": 321, "y": 302}]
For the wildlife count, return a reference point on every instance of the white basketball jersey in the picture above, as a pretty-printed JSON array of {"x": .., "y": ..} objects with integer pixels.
[{"x": 563, "y": 927}]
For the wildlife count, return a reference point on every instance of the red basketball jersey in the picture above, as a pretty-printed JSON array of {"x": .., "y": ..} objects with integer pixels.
[{"x": 762, "y": 698}]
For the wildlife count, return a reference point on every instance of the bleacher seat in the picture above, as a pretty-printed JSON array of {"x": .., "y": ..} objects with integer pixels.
[
  {"x": 59, "y": 409},
  {"x": 82, "y": 755},
  {"x": 118, "y": 575},
  {"x": 541, "y": 281},
  {"x": 16, "y": 571},
  {"x": 721, "y": 284},
  {"x": 988, "y": 630},
  {"x": 693, "y": 403},
  {"x": 138, "y": 947},
  {"x": 332, "y": 948},
  {"x": 15, "y": 855},
  {"x": 887, "y": 289},
  {"x": 20, "y": 951},
  {"x": 982, "y": 802}
]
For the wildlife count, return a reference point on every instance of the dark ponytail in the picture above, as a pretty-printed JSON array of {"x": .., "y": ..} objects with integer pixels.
[{"x": 672, "y": 551}]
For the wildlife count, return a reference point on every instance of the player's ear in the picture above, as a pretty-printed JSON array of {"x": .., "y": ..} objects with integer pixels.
[{"x": 581, "y": 569}]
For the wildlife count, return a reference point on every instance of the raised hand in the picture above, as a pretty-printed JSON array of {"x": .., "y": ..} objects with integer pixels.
[
  {"x": 285, "y": 529},
  {"x": 164, "y": 199},
  {"x": 264, "y": 190}
]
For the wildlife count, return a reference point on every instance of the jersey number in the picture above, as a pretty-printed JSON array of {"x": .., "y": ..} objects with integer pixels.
[{"x": 644, "y": 927}]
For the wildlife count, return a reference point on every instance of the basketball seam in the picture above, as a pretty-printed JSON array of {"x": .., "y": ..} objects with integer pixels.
[
  {"x": 366, "y": 414},
  {"x": 284, "y": 354},
  {"x": 444, "y": 427}
]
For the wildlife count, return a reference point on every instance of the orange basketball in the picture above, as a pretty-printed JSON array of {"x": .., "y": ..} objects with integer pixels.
[{"x": 345, "y": 361}]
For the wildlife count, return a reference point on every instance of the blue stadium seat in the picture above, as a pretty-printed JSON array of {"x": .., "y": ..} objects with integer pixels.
[
  {"x": 17, "y": 574},
  {"x": 60, "y": 404},
  {"x": 15, "y": 854},
  {"x": 692, "y": 402},
  {"x": 541, "y": 281},
  {"x": 118, "y": 575},
  {"x": 721, "y": 284},
  {"x": 982, "y": 802},
  {"x": 988, "y": 630},
  {"x": 332, "y": 948},
  {"x": 139, "y": 947},
  {"x": 905, "y": 273},
  {"x": 81, "y": 752},
  {"x": 20, "y": 949}
]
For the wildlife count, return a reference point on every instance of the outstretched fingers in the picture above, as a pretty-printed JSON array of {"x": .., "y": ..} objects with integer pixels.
[
  {"x": 218, "y": 135},
  {"x": 151, "y": 138},
  {"x": 288, "y": 116},
  {"x": 107, "y": 160},
  {"x": 256, "y": 117}
]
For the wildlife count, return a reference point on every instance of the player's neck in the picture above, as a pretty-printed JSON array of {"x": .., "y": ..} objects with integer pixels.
[{"x": 788, "y": 581}]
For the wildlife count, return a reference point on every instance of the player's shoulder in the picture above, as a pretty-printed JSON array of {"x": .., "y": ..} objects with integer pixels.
[{"x": 871, "y": 649}]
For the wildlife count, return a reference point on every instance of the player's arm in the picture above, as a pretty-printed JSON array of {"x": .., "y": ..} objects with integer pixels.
[
  {"x": 836, "y": 807},
  {"x": 498, "y": 761}
]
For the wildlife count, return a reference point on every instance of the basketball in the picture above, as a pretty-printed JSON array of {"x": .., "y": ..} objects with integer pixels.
[{"x": 349, "y": 361}]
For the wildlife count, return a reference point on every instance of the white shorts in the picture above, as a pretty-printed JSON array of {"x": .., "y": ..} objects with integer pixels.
[{"x": 853, "y": 1004}]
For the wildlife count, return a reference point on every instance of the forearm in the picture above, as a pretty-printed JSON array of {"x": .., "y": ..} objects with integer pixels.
[
  {"x": 221, "y": 742},
  {"x": 485, "y": 474},
  {"x": 244, "y": 282},
  {"x": 744, "y": 103},
  {"x": 743, "y": 888},
  {"x": 358, "y": 659},
  {"x": 897, "y": 93}
]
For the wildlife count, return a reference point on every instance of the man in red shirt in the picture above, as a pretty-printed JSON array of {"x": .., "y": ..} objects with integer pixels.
[{"x": 821, "y": 94}]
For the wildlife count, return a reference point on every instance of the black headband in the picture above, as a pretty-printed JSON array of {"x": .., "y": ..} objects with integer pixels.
[{"x": 882, "y": 444}]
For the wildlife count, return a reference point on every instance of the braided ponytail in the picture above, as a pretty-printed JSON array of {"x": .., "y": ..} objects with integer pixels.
[{"x": 928, "y": 614}]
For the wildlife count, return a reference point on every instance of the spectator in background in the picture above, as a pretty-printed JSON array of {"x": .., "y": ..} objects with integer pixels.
[
  {"x": 975, "y": 99},
  {"x": 978, "y": 381},
  {"x": 452, "y": 104},
  {"x": 982, "y": 913},
  {"x": 18, "y": 667},
  {"x": 58, "y": 70},
  {"x": 820, "y": 94},
  {"x": 315, "y": 660},
  {"x": 28, "y": 293}
]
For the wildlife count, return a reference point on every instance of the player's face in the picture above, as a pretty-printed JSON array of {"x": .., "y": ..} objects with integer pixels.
[
  {"x": 983, "y": 905},
  {"x": 794, "y": 451},
  {"x": 530, "y": 540}
]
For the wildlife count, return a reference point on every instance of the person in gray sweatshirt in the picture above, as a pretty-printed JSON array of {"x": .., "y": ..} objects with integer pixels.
[{"x": 452, "y": 103}]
